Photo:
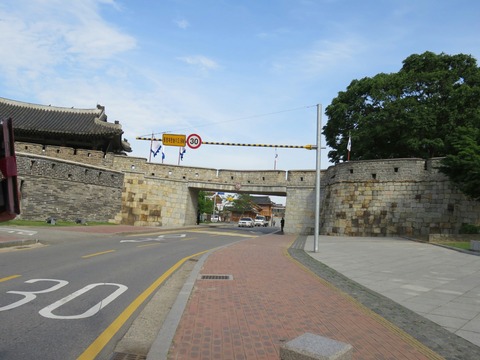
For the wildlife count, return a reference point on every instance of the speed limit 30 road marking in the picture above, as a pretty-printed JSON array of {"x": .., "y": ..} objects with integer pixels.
[{"x": 104, "y": 338}]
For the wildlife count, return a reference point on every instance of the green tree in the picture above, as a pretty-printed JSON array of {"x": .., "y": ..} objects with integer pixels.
[
  {"x": 411, "y": 113},
  {"x": 241, "y": 204},
  {"x": 462, "y": 166},
  {"x": 205, "y": 204}
]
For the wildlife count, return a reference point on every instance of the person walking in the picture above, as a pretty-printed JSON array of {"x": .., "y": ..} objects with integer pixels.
[{"x": 282, "y": 223}]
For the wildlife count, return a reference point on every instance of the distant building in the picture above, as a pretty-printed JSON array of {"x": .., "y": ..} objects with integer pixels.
[{"x": 265, "y": 204}]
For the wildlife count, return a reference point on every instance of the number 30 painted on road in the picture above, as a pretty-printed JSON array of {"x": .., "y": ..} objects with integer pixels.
[{"x": 47, "y": 311}]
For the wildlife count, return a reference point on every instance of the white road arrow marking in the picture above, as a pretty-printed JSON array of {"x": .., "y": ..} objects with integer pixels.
[{"x": 159, "y": 238}]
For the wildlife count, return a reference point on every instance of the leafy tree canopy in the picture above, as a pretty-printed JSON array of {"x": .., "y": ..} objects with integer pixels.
[
  {"x": 412, "y": 113},
  {"x": 462, "y": 166},
  {"x": 205, "y": 203},
  {"x": 241, "y": 204}
]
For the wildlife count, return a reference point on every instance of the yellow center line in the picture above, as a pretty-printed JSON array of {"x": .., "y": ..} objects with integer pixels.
[
  {"x": 96, "y": 254},
  {"x": 145, "y": 245},
  {"x": 9, "y": 278},
  {"x": 188, "y": 239},
  {"x": 103, "y": 339}
]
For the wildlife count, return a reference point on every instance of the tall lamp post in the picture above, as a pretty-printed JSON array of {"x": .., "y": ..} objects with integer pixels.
[{"x": 317, "y": 180}]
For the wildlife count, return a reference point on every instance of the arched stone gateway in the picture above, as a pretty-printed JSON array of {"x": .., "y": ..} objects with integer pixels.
[
  {"x": 169, "y": 193},
  {"x": 367, "y": 198}
]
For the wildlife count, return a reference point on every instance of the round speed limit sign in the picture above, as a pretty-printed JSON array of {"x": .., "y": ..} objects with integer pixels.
[{"x": 194, "y": 141}]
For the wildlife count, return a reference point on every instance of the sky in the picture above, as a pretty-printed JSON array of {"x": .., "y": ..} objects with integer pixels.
[{"x": 236, "y": 71}]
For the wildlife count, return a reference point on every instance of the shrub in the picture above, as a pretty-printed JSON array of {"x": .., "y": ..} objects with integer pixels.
[{"x": 469, "y": 229}]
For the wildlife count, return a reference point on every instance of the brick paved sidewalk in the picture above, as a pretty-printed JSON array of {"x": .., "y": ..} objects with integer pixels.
[{"x": 273, "y": 299}]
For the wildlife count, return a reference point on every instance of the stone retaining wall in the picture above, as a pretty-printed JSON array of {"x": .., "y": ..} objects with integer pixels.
[
  {"x": 359, "y": 198},
  {"x": 66, "y": 190}
]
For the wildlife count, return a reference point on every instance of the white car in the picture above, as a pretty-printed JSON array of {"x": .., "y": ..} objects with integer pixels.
[
  {"x": 246, "y": 222},
  {"x": 260, "y": 221}
]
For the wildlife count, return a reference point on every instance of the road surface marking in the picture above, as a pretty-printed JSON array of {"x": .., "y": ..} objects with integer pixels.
[
  {"x": 189, "y": 238},
  {"x": 145, "y": 245},
  {"x": 221, "y": 233},
  {"x": 104, "y": 338},
  {"x": 47, "y": 311},
  {"x": 18, "y": 231},
  {"x": 96, "y": 254},
  {"x": 158, "y": 238},
  {"x": 9, "y": 278},
  {"x": 154, "y": 233}
]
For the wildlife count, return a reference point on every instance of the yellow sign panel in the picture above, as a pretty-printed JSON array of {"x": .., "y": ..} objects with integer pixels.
[{"x": 174, "y": 140}]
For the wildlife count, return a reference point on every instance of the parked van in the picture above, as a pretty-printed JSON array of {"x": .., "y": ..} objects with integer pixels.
[{"x": 261, "y": 221}]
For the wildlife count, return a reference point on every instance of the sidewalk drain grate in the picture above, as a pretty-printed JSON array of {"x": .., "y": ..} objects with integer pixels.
[
  {"x": 216, "y": 277},
  {"x": 123, "y": 356}
]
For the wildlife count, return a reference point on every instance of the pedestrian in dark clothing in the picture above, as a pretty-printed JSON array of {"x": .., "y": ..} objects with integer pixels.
[{"x": 282, "y": 223}]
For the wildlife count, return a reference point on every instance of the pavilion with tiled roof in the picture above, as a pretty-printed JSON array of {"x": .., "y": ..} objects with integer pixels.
[{"x": 60, "y": 126}]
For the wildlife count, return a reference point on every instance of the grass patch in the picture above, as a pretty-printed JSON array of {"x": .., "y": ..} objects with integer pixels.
[
  {"x": 465, "y": 245},
  {"x": 44, "y": 223}
]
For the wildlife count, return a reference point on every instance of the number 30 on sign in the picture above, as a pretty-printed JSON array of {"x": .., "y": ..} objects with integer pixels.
[{"x": 194, "y": 141}]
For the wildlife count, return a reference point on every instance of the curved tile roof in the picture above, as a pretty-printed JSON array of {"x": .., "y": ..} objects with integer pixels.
[
  {"x": 32, "y": 120},
  {"x": 43, "y": 118}
]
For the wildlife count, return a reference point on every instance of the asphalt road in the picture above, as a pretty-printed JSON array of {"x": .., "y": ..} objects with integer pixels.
[{"x": 75, "y": 297}]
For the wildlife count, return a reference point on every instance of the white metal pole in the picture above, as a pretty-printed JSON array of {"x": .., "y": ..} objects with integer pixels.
[
  {"x": 317, "y": 180},
  {"x": 214, "y": 199},
  {"x": 151, "y": 145}
]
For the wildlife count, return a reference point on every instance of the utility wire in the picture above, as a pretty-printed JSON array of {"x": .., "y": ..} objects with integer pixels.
[{"x": 238, "y": 119}]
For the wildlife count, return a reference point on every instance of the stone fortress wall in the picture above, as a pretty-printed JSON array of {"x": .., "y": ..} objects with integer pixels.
[
  {"x": 393, "y": 197},
  {"x": 365, "y": 198},
  {"x": 66, "y": 190}
]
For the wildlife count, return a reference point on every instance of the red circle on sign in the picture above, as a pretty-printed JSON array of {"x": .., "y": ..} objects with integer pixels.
[{"x": 194, "y": 141}]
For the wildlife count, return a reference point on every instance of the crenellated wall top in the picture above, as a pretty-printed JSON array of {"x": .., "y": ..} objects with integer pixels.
[{"x": 410, "y": 169}]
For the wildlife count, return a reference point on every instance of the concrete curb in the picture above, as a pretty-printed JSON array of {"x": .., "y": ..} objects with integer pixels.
[
  {"x": 12, "y": 243},
  {"x": 161, "y": 345}
]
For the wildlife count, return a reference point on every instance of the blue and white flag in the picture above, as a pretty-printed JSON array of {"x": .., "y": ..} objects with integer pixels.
[
  {"x": 182, "y": 152},
  {"x": 156, "y": 147}
]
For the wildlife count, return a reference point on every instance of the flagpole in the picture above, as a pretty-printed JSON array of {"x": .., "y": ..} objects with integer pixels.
[
  {"x": 151, "y": 147},
  {"x": 349, "y": 146},
  {"x": 275, "y": 161},
  {"x": 179, "y": 151}
]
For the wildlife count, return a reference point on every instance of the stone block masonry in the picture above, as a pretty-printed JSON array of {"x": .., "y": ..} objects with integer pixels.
[
  {"x": 393, "y": 197},
  {"x": 407, "y": 197},
  {"x": 149, "y": 201},
  {"x": 67, "y": 190}
]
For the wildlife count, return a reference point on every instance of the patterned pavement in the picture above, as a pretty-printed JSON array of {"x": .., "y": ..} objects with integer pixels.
[{"x": 271, "y": 299}]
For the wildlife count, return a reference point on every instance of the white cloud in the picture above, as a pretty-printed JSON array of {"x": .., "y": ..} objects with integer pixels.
[
  {"x": 203, "y": 62},
  {"x": 47, "y": 35},
  {"x": 96, "y": 40},
  {"x": 323, "y": 56},
  {"x": 182, "y": 23}
]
